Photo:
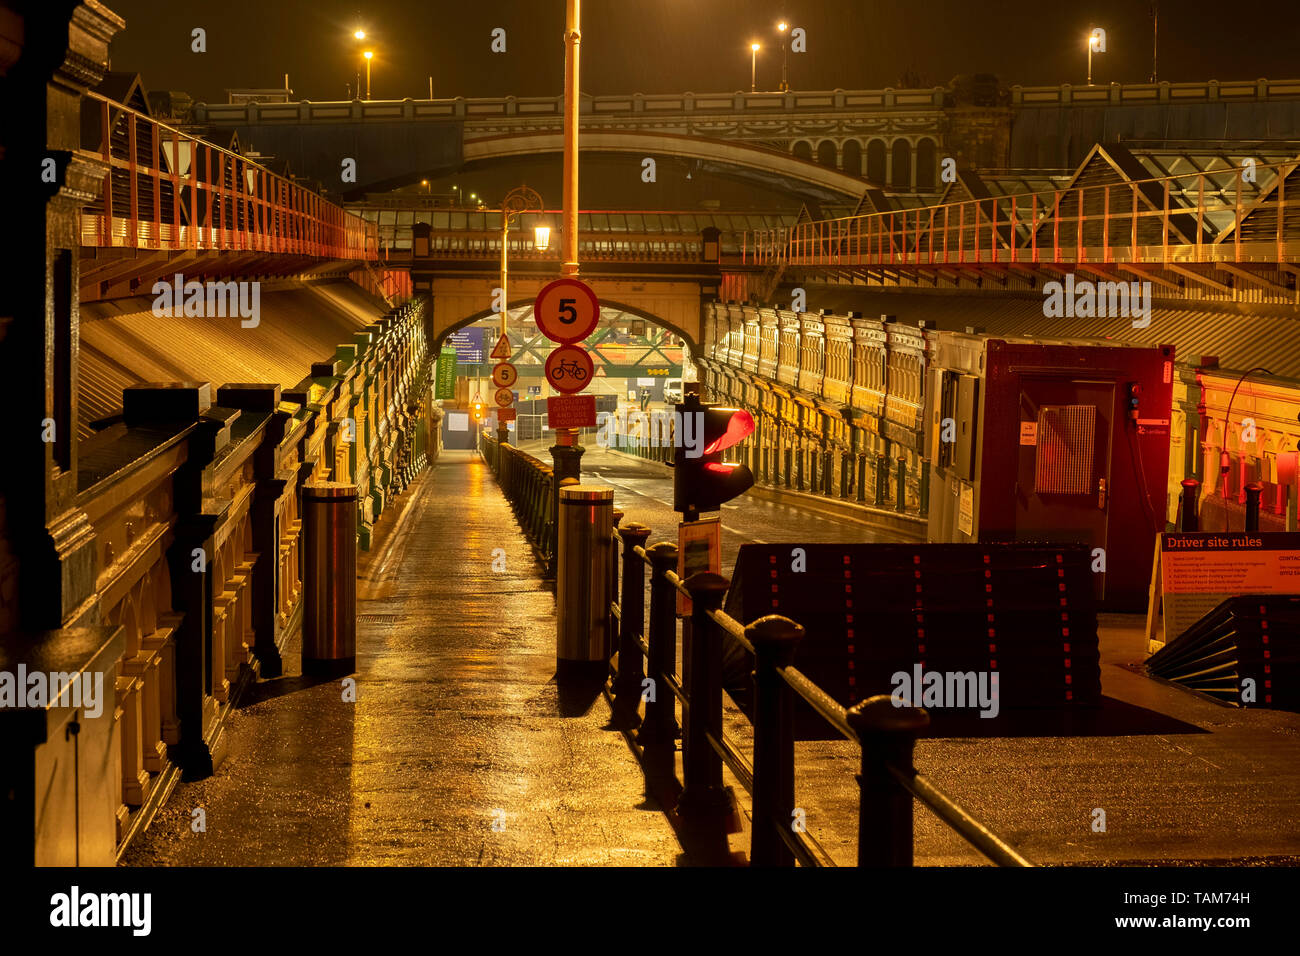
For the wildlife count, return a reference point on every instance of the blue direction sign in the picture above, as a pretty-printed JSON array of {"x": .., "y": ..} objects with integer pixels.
[{"x": 469, "y": 346}]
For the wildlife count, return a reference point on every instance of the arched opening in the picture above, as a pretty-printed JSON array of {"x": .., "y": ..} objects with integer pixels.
[
  {"x": 852, "y": 162},
  {"x": 876, "y": 161},
  {"x": 826, "y": 153},
  {"x": 520, "y": 315},
  {"x": 803, "y": 150},
  {"x": 901, "y": 177},
  {"x": 925, "y": 164}
]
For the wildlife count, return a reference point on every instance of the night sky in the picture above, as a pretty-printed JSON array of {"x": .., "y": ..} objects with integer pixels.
[{"x": 673, "y": 46}]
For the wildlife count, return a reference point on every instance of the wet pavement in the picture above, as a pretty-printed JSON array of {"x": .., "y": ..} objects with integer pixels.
[
  {"x": 459, "y": 750},
  {"x": 458, "y": 726}
]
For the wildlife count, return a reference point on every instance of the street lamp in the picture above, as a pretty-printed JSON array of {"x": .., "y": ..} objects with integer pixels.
[
  {"x": 785, "y": 58},
  {"x": 518, "y": 201},
  {"x": 1096, "y": 43},
  {"x": 753, "y": 67},
  {"x": 360, "y": 34},
  {"x": 369, "y": 55}
]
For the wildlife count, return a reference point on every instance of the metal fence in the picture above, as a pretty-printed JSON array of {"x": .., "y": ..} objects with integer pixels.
[
  {"x": 164, "y": 189},
  {"x": 529, "y": 486},
  {"x": 886, "y": 734},
  {"x": 1207, "y": 216}
]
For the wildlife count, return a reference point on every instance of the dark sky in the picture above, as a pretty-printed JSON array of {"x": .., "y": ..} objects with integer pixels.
[{"x": 690, "y": 45}]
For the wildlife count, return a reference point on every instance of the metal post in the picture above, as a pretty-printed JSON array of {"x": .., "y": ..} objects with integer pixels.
[
  {"x": 788, "y": 452},
  {"x": 862, "y": 478},
  {"x": 882, "y": 478},
  {"x": 572, "y": 39},
  {"x": 775, "y": 639},
  {"x": 846, "y": 474},
  {"x": 1190, "y": 514},
  {"x": 813, "y": 456},
  {"x": 900, "y": 503},
  {"x": 329, "y": 627},
  {"x": 631, "y": 622},
  {"x": 582, "y": 580},
  {"x": 887, "y": 735},
  {"x": 703, "y": 796},
  {"x": 798, "y": 475},
  {"x": 658, "y": 732},
  {"x": 1253, "y": 491},
  {"x": 828, "y": 472}
]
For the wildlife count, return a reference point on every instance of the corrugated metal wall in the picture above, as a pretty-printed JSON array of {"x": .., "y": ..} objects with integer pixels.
[{"x": 123, "y": 343}]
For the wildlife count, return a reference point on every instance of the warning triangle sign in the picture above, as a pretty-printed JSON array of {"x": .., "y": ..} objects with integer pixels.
[
  {"x": 600, "y": 371},
  {"x": 502, "y": 349}
]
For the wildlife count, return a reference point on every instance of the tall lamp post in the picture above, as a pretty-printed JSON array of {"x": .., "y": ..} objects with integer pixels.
[
  {"x": 753, "y": 67},
  {"x": 518, "y": 201},
  {"x": 785, "y": 58},
  {"x": 1095, "y": 44},
  {"x": 359, "y": 35},
  {"x": 369, "y": 55}
]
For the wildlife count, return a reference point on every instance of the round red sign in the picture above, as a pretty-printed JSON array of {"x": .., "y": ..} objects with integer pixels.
[
  {"x": 566, "y": 311},
  {"x": 505, "y": 397},
  {"x": 569, "y": 369},
  {"x": 504, "y": 375}
]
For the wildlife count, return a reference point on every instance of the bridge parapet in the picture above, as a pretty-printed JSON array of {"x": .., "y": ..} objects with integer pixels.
[{"x": 170, "y": 191}]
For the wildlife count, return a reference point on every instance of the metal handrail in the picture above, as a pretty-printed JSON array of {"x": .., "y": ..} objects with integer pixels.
[
  {"x": 232, "y": 204},
  {"x": 1030, "y": 228},
  {"x": 874, "y": 736}
]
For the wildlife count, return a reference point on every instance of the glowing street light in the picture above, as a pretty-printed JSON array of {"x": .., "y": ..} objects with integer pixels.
[
  {"x": 1096, "y": 44},
  {"x": 360, "y": 34},
  {"x": 785, "y": 57},
  {"x": 753, "y": 67},
  {"x": 369, "y": 55}
]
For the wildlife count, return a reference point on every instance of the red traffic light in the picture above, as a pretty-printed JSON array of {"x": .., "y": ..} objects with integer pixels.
[
  {"x": 702, "y": 481},
  {"x": 739, "y": 426}
]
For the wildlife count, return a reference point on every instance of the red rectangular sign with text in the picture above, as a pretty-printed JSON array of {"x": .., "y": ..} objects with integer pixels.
[{"x": 571, "y": 411}]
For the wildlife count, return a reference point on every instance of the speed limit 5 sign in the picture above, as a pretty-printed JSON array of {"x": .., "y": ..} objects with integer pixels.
[{"x": 566, "y": 311}]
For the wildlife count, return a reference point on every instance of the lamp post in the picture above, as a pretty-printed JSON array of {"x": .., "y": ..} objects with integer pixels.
[
  {"x": 785, "y": 58},
  {"x": 753, "y": 67},
  {"x": 1097, "y": 44},
  {"x": 369, "y": 55},
  {"x": 518, "y": 201},
  {"x": 358, "y": 35}
]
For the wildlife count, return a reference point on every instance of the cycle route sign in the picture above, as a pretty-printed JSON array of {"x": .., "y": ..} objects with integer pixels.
[{"x": 569, "y": 369}]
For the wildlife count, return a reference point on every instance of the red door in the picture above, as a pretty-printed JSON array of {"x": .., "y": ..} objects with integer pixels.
[{"x": 1063, "y": 481}]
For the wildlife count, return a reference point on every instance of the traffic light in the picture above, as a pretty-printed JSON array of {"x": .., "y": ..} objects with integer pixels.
[
  {"x": 478, "y": 410},
  {"x": 701, "y": 480}
]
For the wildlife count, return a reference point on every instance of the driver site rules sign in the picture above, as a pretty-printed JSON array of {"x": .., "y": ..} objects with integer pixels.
[{"x": 571, "y": 411}]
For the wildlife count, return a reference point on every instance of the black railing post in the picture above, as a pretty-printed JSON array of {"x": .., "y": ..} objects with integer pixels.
[
  {"x": 631, "y": 622},
  {"x": 887, "y": 735},
  {"x": 1253, "y": 491},
  {"x": 862, "y": 478},
  {"x": 901, "y": 503},
  {"x": 703, "y": 796},
  {"x": 775, "y": 639},
  {"x": 788, "y": 452},
  {"x": 813, "y": 455},
  {"x": 658, "y": 732},
  {"x": 798, "y": 474},
  {"x": 882, "y": 479}
]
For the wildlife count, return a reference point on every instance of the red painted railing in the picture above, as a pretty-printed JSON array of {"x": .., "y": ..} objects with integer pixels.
[
  {"x": 1212, "y": 216},
  {"x": 167, "y": 190}
]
